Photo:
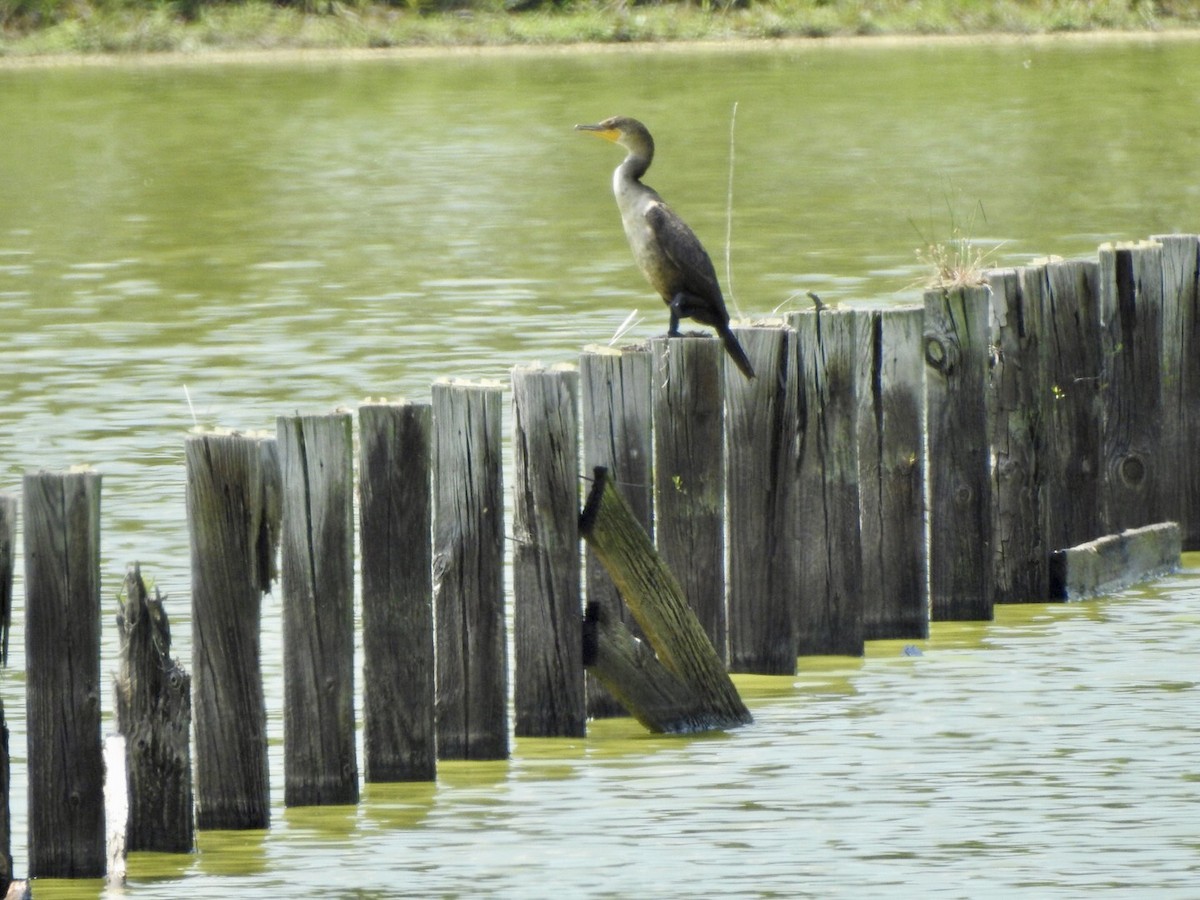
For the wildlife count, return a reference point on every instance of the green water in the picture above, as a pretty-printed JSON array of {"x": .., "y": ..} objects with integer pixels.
[{"x": 220, "y": 245}]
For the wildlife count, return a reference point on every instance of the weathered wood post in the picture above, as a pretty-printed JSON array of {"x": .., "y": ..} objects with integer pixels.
[
  {"x": 960, "y": 506},
  {"x": 1017, "y": 416},
  {"x": 316, "y": 456},
  {"x": 8, "y": 530},
  {"x": 396, "y": 522},
  {"x": 468, "y": 573},
  {"x": 1181, "y": 381},
  {"x": 656, "y": 600},
  {"x": 233, "y": 523},
  {"x": 760, "y": 428},
  {"x": 614, "y": 387},
  {"x": 8, "y": 533},
  {"x": 62, "y": 653},
  {"x": 891, "y": 467},
  {"x": 1134, "y": 485},
  {"x": 1070, "y": 344},
  {"x": 689, "y": 473},
  {"x": 548, "y": 693},
  {"x": 829, "y": 614},
  {"x": 154, "y": 714}
]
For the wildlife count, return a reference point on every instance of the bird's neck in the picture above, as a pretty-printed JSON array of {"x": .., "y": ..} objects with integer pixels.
[{"x": 635, "y": 165}]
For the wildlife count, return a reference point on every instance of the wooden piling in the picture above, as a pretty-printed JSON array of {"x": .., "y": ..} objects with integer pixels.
[
  {"x": 8, "y": 533},
  {"x": 614, "y": 387},
  {"x": 689, "y": 473},
  {"x": 1017, "y": 422},
  {"x": 829, "y": 614},
  {"x": 154, "y": 714},
  {"x": 760, "y": 428},
  {"x": 233, "y": 525},
  {"x": 656, "y": 600},
  {"x": 1070, "y": 343},
  {"x": 62, "y": 653},
  {"x": 396, "y": 521},
  {"x": 1133, "y": 488},
  {"x": 468, "y": 573},
  {"x": 960, "y": 509},
  {"x": 891, "y": 466},
  {"x": 6, "y": 860},
  {"x": 317, "y": 553},
  {"x": 548, "y": 692},
  {"x": 1181, "y": 381}
]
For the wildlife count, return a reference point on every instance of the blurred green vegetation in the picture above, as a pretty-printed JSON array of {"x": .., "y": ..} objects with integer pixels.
[{"x": 29, "y": 27}]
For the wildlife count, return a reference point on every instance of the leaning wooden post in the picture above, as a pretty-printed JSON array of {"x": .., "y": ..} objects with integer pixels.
[
  {"x": 1070, "y": 344},
  {"x": 960, "y": 506},
  {"x": 548, "y": 691},
  {"x": 657, "y": 602},
  {"x": 614, "y": 387},
  {"x": 689, "y": 473},
  {"x": 760, "y": 428},
  {"x": 1181, "y": 379},
  {"x": 1017, "y": 416},
  {"x": 62, "y": 653},
  {"x": 233, "y": 523},
  {"x": 468, "y": 573},
  {"x": 154, "y": 714},
  {"x": 829, "y": 614},
  {"x": 891, "y": 466},
  {"x": 316, "y": 456},
  {"x": 395, "y": 512},
  {"x": 8, "y": 532},
  {"x": 1134, "y": 484}
]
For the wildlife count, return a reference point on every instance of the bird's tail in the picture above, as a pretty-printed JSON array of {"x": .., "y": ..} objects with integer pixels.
[{"x": 736, "y": 353}]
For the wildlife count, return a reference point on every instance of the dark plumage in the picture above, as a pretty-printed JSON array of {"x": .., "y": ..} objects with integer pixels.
[{"x": 666, "y": 250}]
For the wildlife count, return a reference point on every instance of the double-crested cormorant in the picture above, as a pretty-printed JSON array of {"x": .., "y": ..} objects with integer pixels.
[{"x": 667, "y": 251}]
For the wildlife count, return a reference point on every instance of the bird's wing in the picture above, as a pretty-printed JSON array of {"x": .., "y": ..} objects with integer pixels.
[{"x": 681, "y": 246}]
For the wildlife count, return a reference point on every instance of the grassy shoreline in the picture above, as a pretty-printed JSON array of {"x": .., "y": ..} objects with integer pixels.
[{"x": 257, "y": 28}]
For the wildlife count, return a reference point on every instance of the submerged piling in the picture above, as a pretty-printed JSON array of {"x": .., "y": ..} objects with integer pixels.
[
  {"x": 396, "y": 520},
  {"x": 62, "y": 652}
]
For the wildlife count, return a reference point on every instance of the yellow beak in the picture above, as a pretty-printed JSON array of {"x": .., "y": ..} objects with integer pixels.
[{"x": 609, "y": 134}]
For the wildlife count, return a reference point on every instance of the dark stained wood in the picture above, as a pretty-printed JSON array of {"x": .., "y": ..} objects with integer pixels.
[
  {"x": 960, "y": 510},
  {"x": 1181, "y": 381},
  {"x": 614, "y": 387},
  {"x": 548, "y": 692},
  {"x": 233, "y": 524},
  {"x": 396, "y": 521},
  {"x": 468, "y": 572},
  {"x": 829, "y": 614},
  {"x": 62, "y": 652},
  {"x": 1017, "y": 414},
  {"x": 1134, "y": 483},
  {"x": 317, "y": 553},
  {"x": 760, "y": 426},
  {"x": 8, "y": 533},
  {"x": 154, "y": 714},
  {"x": 689, "y": 473},
  {"x": 891, "y": 465},
  {"x": 1070, "y": 343},
  {"x": 657, "y": 603}
]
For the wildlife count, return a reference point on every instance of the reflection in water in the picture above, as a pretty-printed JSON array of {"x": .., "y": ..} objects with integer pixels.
[{"x": 218, "y": 246}]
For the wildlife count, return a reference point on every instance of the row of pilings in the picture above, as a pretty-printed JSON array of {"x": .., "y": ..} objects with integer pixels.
[{"x": 888, "y": 466}]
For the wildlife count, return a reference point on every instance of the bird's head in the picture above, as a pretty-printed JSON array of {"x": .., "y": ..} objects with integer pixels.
[{"x": 628, "y": 133}]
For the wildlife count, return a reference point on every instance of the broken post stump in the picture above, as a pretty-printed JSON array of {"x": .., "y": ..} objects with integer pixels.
[
  {"x": 154, "y": 714},
  {"x": 233, "y": 527},
  {"x": 614, "y": 387},
  {"x": 62, "y": 653},
  {"x": 656, "y": 601},
  {"x": 317, "y": 552},
  {"x": 396, "y": 520},
  {"x": 548, "y": 696},
  {"x": 468, "y": 572}
]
